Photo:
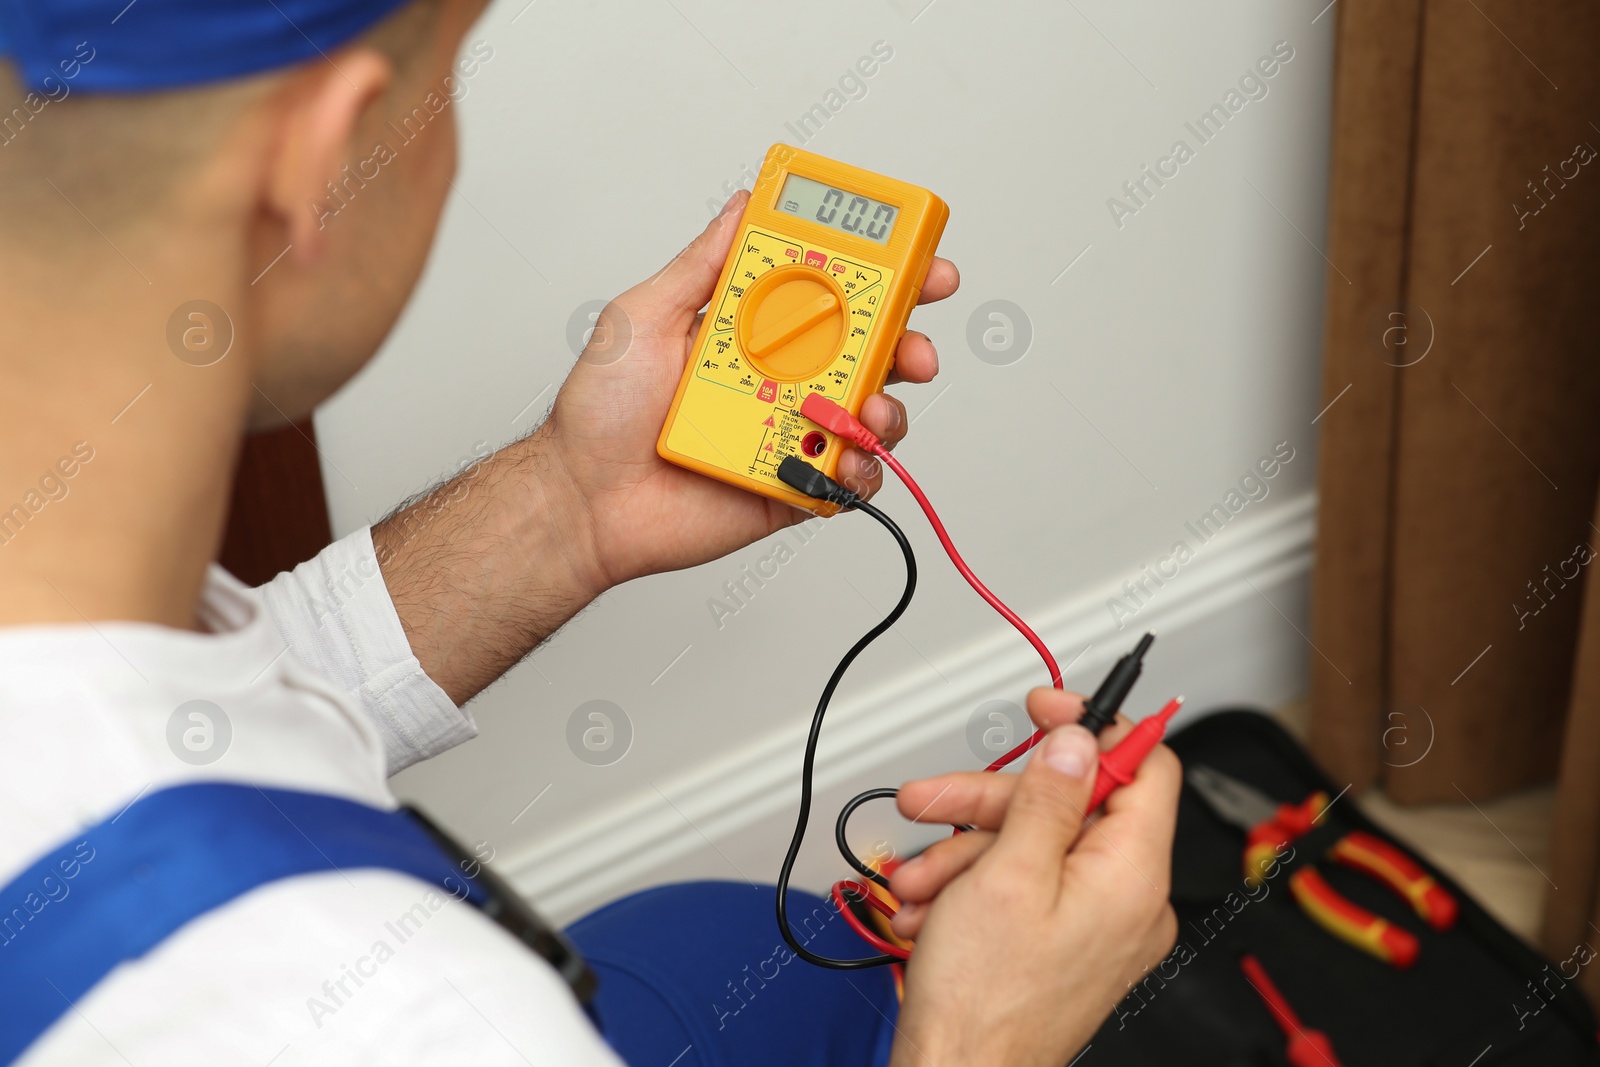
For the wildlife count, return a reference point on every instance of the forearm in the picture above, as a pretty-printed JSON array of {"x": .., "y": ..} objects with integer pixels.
[{"x": 485, "y": 567}]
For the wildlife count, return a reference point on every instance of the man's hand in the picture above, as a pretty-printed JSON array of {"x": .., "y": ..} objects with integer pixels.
[
  {"x": 984, "y": 797},
  {"x": 1028, "y": 935},
  {"x": 488, "y": 565},
  {"x": 648, "y": 515}
]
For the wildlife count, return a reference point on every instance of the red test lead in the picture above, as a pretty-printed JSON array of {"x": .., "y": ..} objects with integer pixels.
[
  {"x": 835, "y": 419},
  {"x": 1121, "y": 763}
]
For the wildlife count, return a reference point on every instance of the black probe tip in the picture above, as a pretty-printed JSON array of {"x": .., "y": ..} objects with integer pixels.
[{"x": 1100, "y": 710}]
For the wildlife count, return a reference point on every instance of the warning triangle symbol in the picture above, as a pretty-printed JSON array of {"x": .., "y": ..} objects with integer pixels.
[
  {"x": 769, "y": 448},
  {"x": 769, "y": 422}
]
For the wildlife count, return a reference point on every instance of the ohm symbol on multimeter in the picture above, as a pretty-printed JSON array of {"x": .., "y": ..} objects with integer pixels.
[{"x": 823, "y": 273}]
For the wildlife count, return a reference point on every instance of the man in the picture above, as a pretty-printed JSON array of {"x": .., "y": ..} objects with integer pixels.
[{"x": 176, "y": 151}]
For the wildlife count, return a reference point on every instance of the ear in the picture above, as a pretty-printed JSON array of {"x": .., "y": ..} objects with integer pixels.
[{"x": 318, "y": 123}]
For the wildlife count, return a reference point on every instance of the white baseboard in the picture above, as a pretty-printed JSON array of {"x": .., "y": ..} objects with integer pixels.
[{"x": 1230, "y": 625}]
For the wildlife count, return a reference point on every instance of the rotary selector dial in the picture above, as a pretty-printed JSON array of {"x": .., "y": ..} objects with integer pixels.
[{"x": 791, "y": 323}]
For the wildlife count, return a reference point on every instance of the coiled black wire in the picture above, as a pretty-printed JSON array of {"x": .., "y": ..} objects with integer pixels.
[
  {"x": 808, "y": 766},
  {"x": 843, "y": 824}
]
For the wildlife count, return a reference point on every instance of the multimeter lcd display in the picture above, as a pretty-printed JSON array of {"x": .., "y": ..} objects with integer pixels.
[{"x": 837, "y": 209}]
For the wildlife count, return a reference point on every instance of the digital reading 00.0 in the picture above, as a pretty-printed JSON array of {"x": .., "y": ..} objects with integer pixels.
[{"x": 837, "y": 208}]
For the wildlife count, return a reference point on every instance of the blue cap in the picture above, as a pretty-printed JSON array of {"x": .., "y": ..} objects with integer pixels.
[{"x": 146, "y": 45}]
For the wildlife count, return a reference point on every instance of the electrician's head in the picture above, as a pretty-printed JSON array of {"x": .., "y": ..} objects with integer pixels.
[{"x": 181, "y": 147}]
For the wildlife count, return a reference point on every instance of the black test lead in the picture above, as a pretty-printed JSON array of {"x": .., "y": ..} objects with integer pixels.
[{"x": 1100, "y": 710}]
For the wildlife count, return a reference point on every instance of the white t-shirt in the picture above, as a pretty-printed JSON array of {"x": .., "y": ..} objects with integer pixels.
[{"x": 319, "y": 692}]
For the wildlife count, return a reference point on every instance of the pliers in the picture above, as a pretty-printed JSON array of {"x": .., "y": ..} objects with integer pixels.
[{"x": 1270, "y": 826}]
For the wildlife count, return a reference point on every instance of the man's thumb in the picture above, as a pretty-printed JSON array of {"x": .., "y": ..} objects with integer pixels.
[
  {"x": 1048, "y": 808},
  {"x": 688, "y": 280}
]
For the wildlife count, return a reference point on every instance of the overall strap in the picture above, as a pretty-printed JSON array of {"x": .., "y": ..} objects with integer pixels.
[{"x": 114, "y": 891}]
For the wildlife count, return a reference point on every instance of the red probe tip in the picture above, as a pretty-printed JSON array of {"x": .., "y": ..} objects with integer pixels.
[{"x": 1119, "y": 765}]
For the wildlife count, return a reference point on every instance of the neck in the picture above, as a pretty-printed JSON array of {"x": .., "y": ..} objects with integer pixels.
[{"x": 116, "y": 455}]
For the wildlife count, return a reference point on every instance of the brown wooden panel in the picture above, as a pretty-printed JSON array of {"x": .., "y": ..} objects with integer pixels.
[
  {"x": 279, "y": 514},
  {"x": 1374, "y": 82},
  {"x": 1575, "y": 847},
  {"x": 1497, "y": 455}
]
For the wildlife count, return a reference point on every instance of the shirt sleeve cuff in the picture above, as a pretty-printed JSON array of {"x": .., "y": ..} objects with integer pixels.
[{"x": 335, "y": 614}]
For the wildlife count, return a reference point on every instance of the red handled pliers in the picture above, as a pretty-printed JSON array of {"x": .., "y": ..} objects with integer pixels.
[{"x": 1270, "y": 826}]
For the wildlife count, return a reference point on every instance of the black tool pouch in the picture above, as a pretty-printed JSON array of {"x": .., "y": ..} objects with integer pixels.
[{"x": 1478, "y": 996}]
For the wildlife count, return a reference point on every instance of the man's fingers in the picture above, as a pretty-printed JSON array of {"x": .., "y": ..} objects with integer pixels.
[
  {"x": 1050, "y": 708},
  {"x": 943, "y": 279},
  {"x": 1048, "y": 806},
  {"x": 923, "y": 876},
  {"x": 978, "y": 798},
  {"x": 915, "y": 359},
  {"x": 685, "y": 284},
  {"x": 965, "y": 798},
  {"x": 907, "y": 922},
  {"x": 859, "y": 473},
  {"x": 886, "y": 417},
  {"x": 1131, "y": 842}
]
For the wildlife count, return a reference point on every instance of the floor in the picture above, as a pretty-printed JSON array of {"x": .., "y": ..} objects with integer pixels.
[{"x": 1496, "y": 850}]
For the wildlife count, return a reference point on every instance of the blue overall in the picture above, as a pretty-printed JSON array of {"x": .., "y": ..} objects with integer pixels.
[{"x": 692, "y": 975}]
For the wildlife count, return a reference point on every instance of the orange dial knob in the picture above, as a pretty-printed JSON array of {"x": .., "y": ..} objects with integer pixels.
[{"x": 791, "y": 323}]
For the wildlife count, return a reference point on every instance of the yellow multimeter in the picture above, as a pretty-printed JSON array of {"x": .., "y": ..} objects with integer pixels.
[{"x": 828, "y": 262}]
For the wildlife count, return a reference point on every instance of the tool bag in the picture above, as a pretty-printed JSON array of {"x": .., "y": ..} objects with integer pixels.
[{"x": 1477, "y": 995}]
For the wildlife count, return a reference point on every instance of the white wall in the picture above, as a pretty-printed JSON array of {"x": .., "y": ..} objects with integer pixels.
[{"x": 1185, "y": 340}]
